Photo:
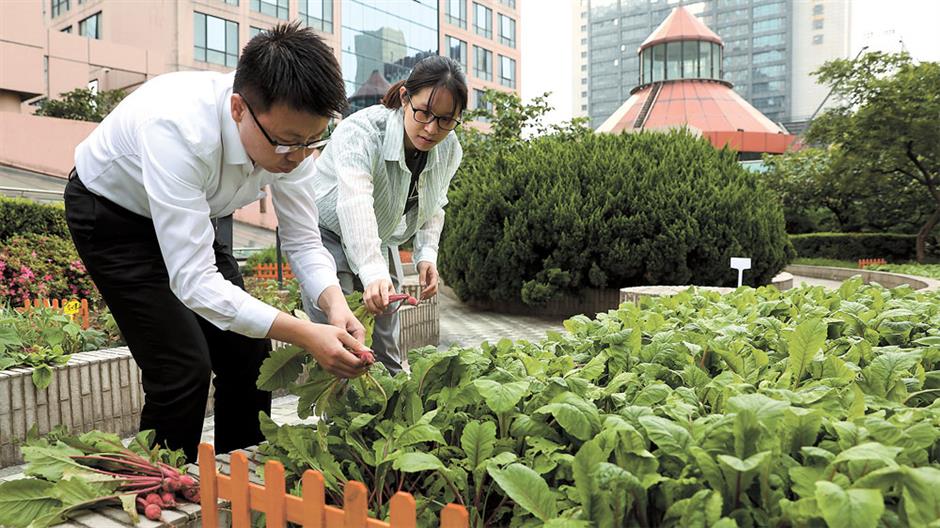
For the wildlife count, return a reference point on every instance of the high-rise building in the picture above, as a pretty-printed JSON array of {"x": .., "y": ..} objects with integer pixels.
[
  {"x": 771, "y": 46},
  {"x": 385, "y": 37}
]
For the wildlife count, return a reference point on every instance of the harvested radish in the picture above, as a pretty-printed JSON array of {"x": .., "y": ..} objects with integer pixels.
[{"x": 152, "y": 512}]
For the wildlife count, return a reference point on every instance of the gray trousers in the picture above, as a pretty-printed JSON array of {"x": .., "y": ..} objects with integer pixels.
[{"x": 387, "y": 325}]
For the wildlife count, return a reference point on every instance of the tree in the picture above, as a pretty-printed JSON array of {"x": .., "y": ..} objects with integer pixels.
[
  {"x": 82, "y": 104},
  {"x": 888, "y": 123},
  {"x": 821, "y": 191}
]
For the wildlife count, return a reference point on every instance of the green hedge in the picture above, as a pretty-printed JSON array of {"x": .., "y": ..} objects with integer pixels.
[
  {"x": 854, "y": 246},
  {"x": 19, "y": 216},
  {"x": 607, "y": 211}
]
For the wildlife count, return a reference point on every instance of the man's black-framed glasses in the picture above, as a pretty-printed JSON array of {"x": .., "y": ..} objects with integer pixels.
[
  {"x": 287, "y": 149},
  {"x": 426, "y": 117}
]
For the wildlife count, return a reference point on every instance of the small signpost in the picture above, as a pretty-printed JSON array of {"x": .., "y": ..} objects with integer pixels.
[{"x": 740, "y": 264}]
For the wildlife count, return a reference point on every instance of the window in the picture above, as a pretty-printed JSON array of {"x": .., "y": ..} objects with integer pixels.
[
  {"x": 818, "y": 23},
  {"x": 690, "y": 59},
  {"x": 583, "y": 94},
  {"x": 817, "y": 39},
  {"x": 275, "y": 8},
  {"x": 583, "y": 80},
  {"x": 229, "y": 2},
  {"x": 481, "y": 104},
  {"x": 215, "y": 40},
  {"x": 768, "y": 25},
  {"x": 584, "y": 67},
  {"x": 673, "y": 60},
  {"x": 507, "y": 31},
  {"x": 66, "y": 29},
  {"x": 768, "y": 9},
  {"x": 584, "y": 42},
  {"x": 507, "y": 72},
  {"x": 766, "y": 72},
  {"x": 483, "y": 63},
  {"x": 659, "y": 62},
  {"x": 767, "y": 56},
  {"x": 457, "y": 50},
  {"x": 317, "y": 14},
  {"x": 457, "y": 13},
  {"x": 91, "y": 26},
  {"x": 583, "y": 28},
  {"x": 59, "y": 7},
  {"x": 583, "y": 107},
  {"x": 769, "y": 40},
  {"x": 818, "y": 9},
  {"x": 253, "y": 31},
  {"x": 510, "y": 3},
  {"x": 483, "y": 20}
]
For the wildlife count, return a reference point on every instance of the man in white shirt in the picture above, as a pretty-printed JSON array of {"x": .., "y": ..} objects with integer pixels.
[{"x": 180, "y": 151}]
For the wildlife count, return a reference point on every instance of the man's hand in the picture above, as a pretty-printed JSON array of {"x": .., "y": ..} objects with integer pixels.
[
  {"x": 337, "y": 351},
  {"x": 342, "y": 317},
  {"x": 376, "y": 295},
  {"x": 428, "y": 279}
]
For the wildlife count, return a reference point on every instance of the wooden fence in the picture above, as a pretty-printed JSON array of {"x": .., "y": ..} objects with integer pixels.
[
  {"x": 310, "y": 510},
  {"x": 269, "y": 271},
  {"x": 870, "y": 262},
  {"x": 72, "y": 307}
]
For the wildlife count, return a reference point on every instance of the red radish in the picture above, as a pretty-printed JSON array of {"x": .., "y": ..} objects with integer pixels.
[
  {"x": 153, "y": 498},
  {"x": 169, "y": 501},
  {"x": 403, "y": 297},
  {"x": 152, "y": 512},
  {"x": 187, "y": 481},
  {"x": 191, "y": 494}
]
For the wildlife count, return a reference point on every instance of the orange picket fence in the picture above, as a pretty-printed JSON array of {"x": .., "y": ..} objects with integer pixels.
[
  {"x": 269, "y": 271},
  {"x": 310, "y": 510},
  {"x": 870, "y": 262},
  {"x": 73, "y": 307}
]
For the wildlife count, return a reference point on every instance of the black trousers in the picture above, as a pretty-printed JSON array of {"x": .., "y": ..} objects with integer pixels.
[{"x": 176, "y": 349}]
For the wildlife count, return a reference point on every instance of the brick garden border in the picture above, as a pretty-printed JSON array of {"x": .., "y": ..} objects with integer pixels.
[{"x": 94, "y": 390}]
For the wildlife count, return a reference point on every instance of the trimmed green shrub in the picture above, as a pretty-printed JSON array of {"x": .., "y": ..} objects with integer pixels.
[
  {"x": 19, "y": 216},
  {"x": 854, "y": 246},
  {"x": 556, "y": 214}
]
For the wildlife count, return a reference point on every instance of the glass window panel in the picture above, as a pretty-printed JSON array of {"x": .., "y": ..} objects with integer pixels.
[
  {"x": 690, "y": 59},
  {"x": 705, "y": 59},
  {"x": 659, "y": 62},
  {"x": 215, "y": 33},
  {"x": 716, "y": 61},
  {"x": 482, "y": 20},
  {"x": 769, "y": 25},
  {"x": 457, "y": 13},
  {"x": 769, "y": 40},
  {"x": 673, "y": 60},
  {"x": 507, "y": 31},
  {"x": 768, "y": 9}
]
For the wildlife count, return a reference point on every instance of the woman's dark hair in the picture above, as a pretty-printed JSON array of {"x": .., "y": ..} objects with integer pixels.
[
  {"x": 432, "y": 72},
  {"x": 291, "y": 65}
]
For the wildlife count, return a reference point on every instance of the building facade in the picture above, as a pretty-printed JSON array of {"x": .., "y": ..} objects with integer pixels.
[
  {"x": 376, "y": 42},
  {"x": 771, "y": 46}
]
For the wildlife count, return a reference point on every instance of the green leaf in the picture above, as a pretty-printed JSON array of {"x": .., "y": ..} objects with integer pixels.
[
  {"x": 501, "y": 397},
  {"x": 49, "y": 462},
  {"x": 478, "y": 440},
  {"x": 744, "y": 466},
  {"x": 527, "y": 489},
  {"x": 129, "y": 504},
  {"x": 853, "y": 508},
  {"x": 869, "y": 452},
  {"x": 420, "y": 433},
  {"x": 804, "y": 345},
  {"x": 921, "y": 495},
  {"x": 42, "y": 376},
  {"x": 24, "y": 500},
  {"x": 76, "y": 490},
  {"x": 577, "y": 417},
  {"x": 415, "y": 462},
  {"x": 670, "y": 437},
  {"x": 9, "y": 338},
  {"x": 281, "y": 369}
]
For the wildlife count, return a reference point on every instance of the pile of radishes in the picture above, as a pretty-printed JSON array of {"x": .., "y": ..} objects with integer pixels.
[{"x": 156, "y": 484}]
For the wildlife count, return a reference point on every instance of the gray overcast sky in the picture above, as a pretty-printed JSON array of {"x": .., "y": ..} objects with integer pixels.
[{"x": 546, "y": 27}]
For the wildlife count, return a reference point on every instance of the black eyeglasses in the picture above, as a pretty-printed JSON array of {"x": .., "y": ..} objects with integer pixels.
[
  {"x": 426, "y": 117},
  {"x": 287, "y": 149}
]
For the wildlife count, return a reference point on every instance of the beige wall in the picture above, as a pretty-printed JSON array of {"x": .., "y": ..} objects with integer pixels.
[
  {"x": 472, "y": 39},
  {"x": 808, "y": 57},
  {"x": 41, "y": 144}
]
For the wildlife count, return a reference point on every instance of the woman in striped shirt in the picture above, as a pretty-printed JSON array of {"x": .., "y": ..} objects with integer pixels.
[{"x": 382, "y": 179}]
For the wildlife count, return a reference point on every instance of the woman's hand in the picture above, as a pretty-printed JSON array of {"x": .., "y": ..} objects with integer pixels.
[
  {"x": 334, "y": 348},
  {"x": 342, "y": 317},
  {"x": 376, "y": 295},
  {"x": 428, "y": 279}
]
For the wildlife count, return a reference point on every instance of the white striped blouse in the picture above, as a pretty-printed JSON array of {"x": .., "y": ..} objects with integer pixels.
[{"x": 362, "y": 182}]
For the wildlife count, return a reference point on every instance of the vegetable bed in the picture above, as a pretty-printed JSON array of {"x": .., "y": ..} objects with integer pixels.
[{"x": 757, "y": 408}]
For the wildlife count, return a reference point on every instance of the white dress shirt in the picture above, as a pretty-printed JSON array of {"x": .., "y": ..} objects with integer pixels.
[
  {"x": 363, "y": 181},
  {"x": 170, "y": 151}
]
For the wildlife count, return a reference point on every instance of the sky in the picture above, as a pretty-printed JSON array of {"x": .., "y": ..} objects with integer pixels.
[{"x": 546, "y": 28}]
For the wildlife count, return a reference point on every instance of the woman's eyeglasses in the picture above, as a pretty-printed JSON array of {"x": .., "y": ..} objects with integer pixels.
[{"x": 426, "y": 117}]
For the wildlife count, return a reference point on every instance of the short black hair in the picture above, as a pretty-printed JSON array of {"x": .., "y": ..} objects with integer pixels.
[{"x": 292, "y": 65}]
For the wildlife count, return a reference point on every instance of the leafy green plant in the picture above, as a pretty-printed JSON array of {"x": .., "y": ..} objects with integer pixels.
[
  {"x": 82, "y": 104},
  {"x": 758, "y": 408},
  {"x": 286, "y": 299},
  {"x": 19, "y": 216},
  {"x": 555, "y": 215},
  {"x": 923, "y": 270},
  {"x": 68, "y": 473},
  {"x": 43, "y": 338}
]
